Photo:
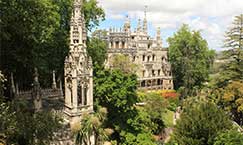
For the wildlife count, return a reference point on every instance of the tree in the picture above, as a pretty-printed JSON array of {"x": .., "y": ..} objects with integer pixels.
[
  {"x": 92, "y": 125},
  {"x": 123, "y": 63},
  {"x": 97, "y": 49},
  {"x": 199, "y": 123},
  {"x": 100, "y": 34},
  {"x": 35, "y": 34},
  {"x": 35, "y": 129},
  {"x": 27, "y": 28},
  {"x": 234, "y": 36},
  {"x": 233, "y": 69},
  {"x": 190, "y": 59},
  {"x": 93, "y": 14},
  {"x": 155, "y": 106},
  {"x": 117, "y": 92},
  {"x": 7, "y": 124},
  {"x": 140, "y": 139},
  {"x": 230, "y": 98},
  {"x": 230, "y": 137}
]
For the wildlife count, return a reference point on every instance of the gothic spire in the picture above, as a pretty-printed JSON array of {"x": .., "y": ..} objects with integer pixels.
[
  {"x": 145, "y": 25},
  {"x": 127, "y": 25}
]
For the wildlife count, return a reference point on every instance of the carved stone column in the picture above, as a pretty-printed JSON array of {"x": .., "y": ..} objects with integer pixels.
[
  {"x": 36, "y": 92},
  {"x": 54, "y": 84}
]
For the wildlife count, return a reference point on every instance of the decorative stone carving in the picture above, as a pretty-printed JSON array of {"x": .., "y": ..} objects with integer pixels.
[{"x": 139, "y": 43}]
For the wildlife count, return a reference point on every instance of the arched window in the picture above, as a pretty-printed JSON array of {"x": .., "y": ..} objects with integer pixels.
[
  {"x": 148, "y": 58},
  {"x": 85, "y": 94},
  {"x": 153, "y": 57},
  {"x": 143, "y": 57}
]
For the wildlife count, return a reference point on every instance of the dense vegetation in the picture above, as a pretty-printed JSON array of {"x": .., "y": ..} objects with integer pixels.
[
  {"x": 34, "y": 33},
  {"x": 190, "y": 60}
]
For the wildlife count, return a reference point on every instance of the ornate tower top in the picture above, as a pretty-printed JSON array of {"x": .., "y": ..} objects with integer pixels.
[
  {"x": 158, "y": 37},
  {"x": 145, "y": 25},
  {"x": 139, "y": 25},
  {"x": 77, "y": 26},
  {"x": 78, "y": 71},
  {"x": 127, "y": 25}
]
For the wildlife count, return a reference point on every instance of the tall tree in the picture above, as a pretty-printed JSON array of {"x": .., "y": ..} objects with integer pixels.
[
  {"x": 93, "y": 14},
  {"x": 123, "y": 63},
  {"x": 233, "y": 69},
  {"x": 117, "y": 92},
  {"x": 234, "y": 36},
  {"x": 190, "y": 58},
  {"x": 35, "y": 34},
  {"x": 27, "y": 27},
  {"x": 97, "y": 49},
  {"x": 199, "y": 123}
]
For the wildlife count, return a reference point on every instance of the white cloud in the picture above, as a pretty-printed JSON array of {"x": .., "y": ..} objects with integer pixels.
[{"x": 210, "y": 16}]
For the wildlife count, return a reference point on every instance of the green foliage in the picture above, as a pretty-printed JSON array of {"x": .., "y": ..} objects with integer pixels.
[
  {"x": 231, "y": 70},
  {"x": 190, "y": 59},
  {"x": 92, "y": 124},
  {"x": 28, "y": 27},
  {"x": 156, "y": 107},
  {"x": 117, "y": 92},
  {"x": 123, "y": 63},
  {"x": 168, "y": 118},
  {"x": 230, "y": 98},
  {"x": 92, "y": 14},
  {"x": 140, "y": 139},
  {"x": 230, "y": 137},
  {"x": 35, "y": 34},
  {"x": 199, "y": 123},
  {"x": 235, "y": 34},
  {"x": 97, "y": 49},
  {"x": 8, "y": 122},
  {"x": 2, "y": 87},
  {"x": 34, "y": 128}
]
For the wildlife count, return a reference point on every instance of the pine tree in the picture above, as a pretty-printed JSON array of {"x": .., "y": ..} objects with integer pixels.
[{"x": 234, "y": 37}]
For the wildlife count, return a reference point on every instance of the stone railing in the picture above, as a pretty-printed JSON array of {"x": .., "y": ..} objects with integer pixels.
[{"x": 45, "y": 93}]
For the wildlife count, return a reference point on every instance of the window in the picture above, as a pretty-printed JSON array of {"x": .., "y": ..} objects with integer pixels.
[
  {"x": 117, "y": 44},
  {"x": 153, "y": 57},
  {"x": 123, "y": 44},
  {"x": 153, "y": 74},
  {"x": 85, "y": 95},
  {"x": 143, "y": 73},
  {"x": 143, "y": 84},
  {"x": 143, "y": 57},
  {"x": 134, "y": 58},
  {"x": 149, "y": 46},
  {"x": 159, "y": 72},
  {"x": 148, "y": 58},
  {"x": 132, "y": 37}
]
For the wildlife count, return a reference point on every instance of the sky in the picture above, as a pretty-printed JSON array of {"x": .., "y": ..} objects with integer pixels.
[{"x": 211, "y": 17}]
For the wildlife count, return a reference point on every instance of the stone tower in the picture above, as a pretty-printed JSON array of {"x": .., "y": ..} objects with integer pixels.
[{"x": 78, "y": 72}]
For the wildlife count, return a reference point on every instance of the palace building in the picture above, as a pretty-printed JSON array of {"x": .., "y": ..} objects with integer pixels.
[{"x": 148, "y": 53}]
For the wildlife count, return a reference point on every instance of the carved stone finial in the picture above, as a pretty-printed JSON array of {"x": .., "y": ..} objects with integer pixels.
[
  {"x": 54, "y": 84},
  {"x": 36, "y": 75}
]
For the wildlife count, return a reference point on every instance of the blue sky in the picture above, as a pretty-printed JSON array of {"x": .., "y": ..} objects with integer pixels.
[{"x": 211, "y": 17}]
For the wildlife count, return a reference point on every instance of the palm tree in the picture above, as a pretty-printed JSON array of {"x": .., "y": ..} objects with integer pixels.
[{"x": 92, "y": 125}]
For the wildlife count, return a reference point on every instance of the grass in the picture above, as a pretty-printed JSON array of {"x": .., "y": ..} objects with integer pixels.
[{"x": 168, "y": 118}]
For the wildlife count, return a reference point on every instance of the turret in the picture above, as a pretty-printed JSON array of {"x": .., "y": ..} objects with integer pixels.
[
  {"x": 158, "y": 38},
  {"x": 139, "y": 25},
  {"x": 145, "y": 25},
  {"x": 127, "y": 25}
]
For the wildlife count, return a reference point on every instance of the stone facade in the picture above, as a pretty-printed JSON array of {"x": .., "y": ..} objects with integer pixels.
[
  {"x": 78, "y": 71},
  {"x": 148, "y": 53}
]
